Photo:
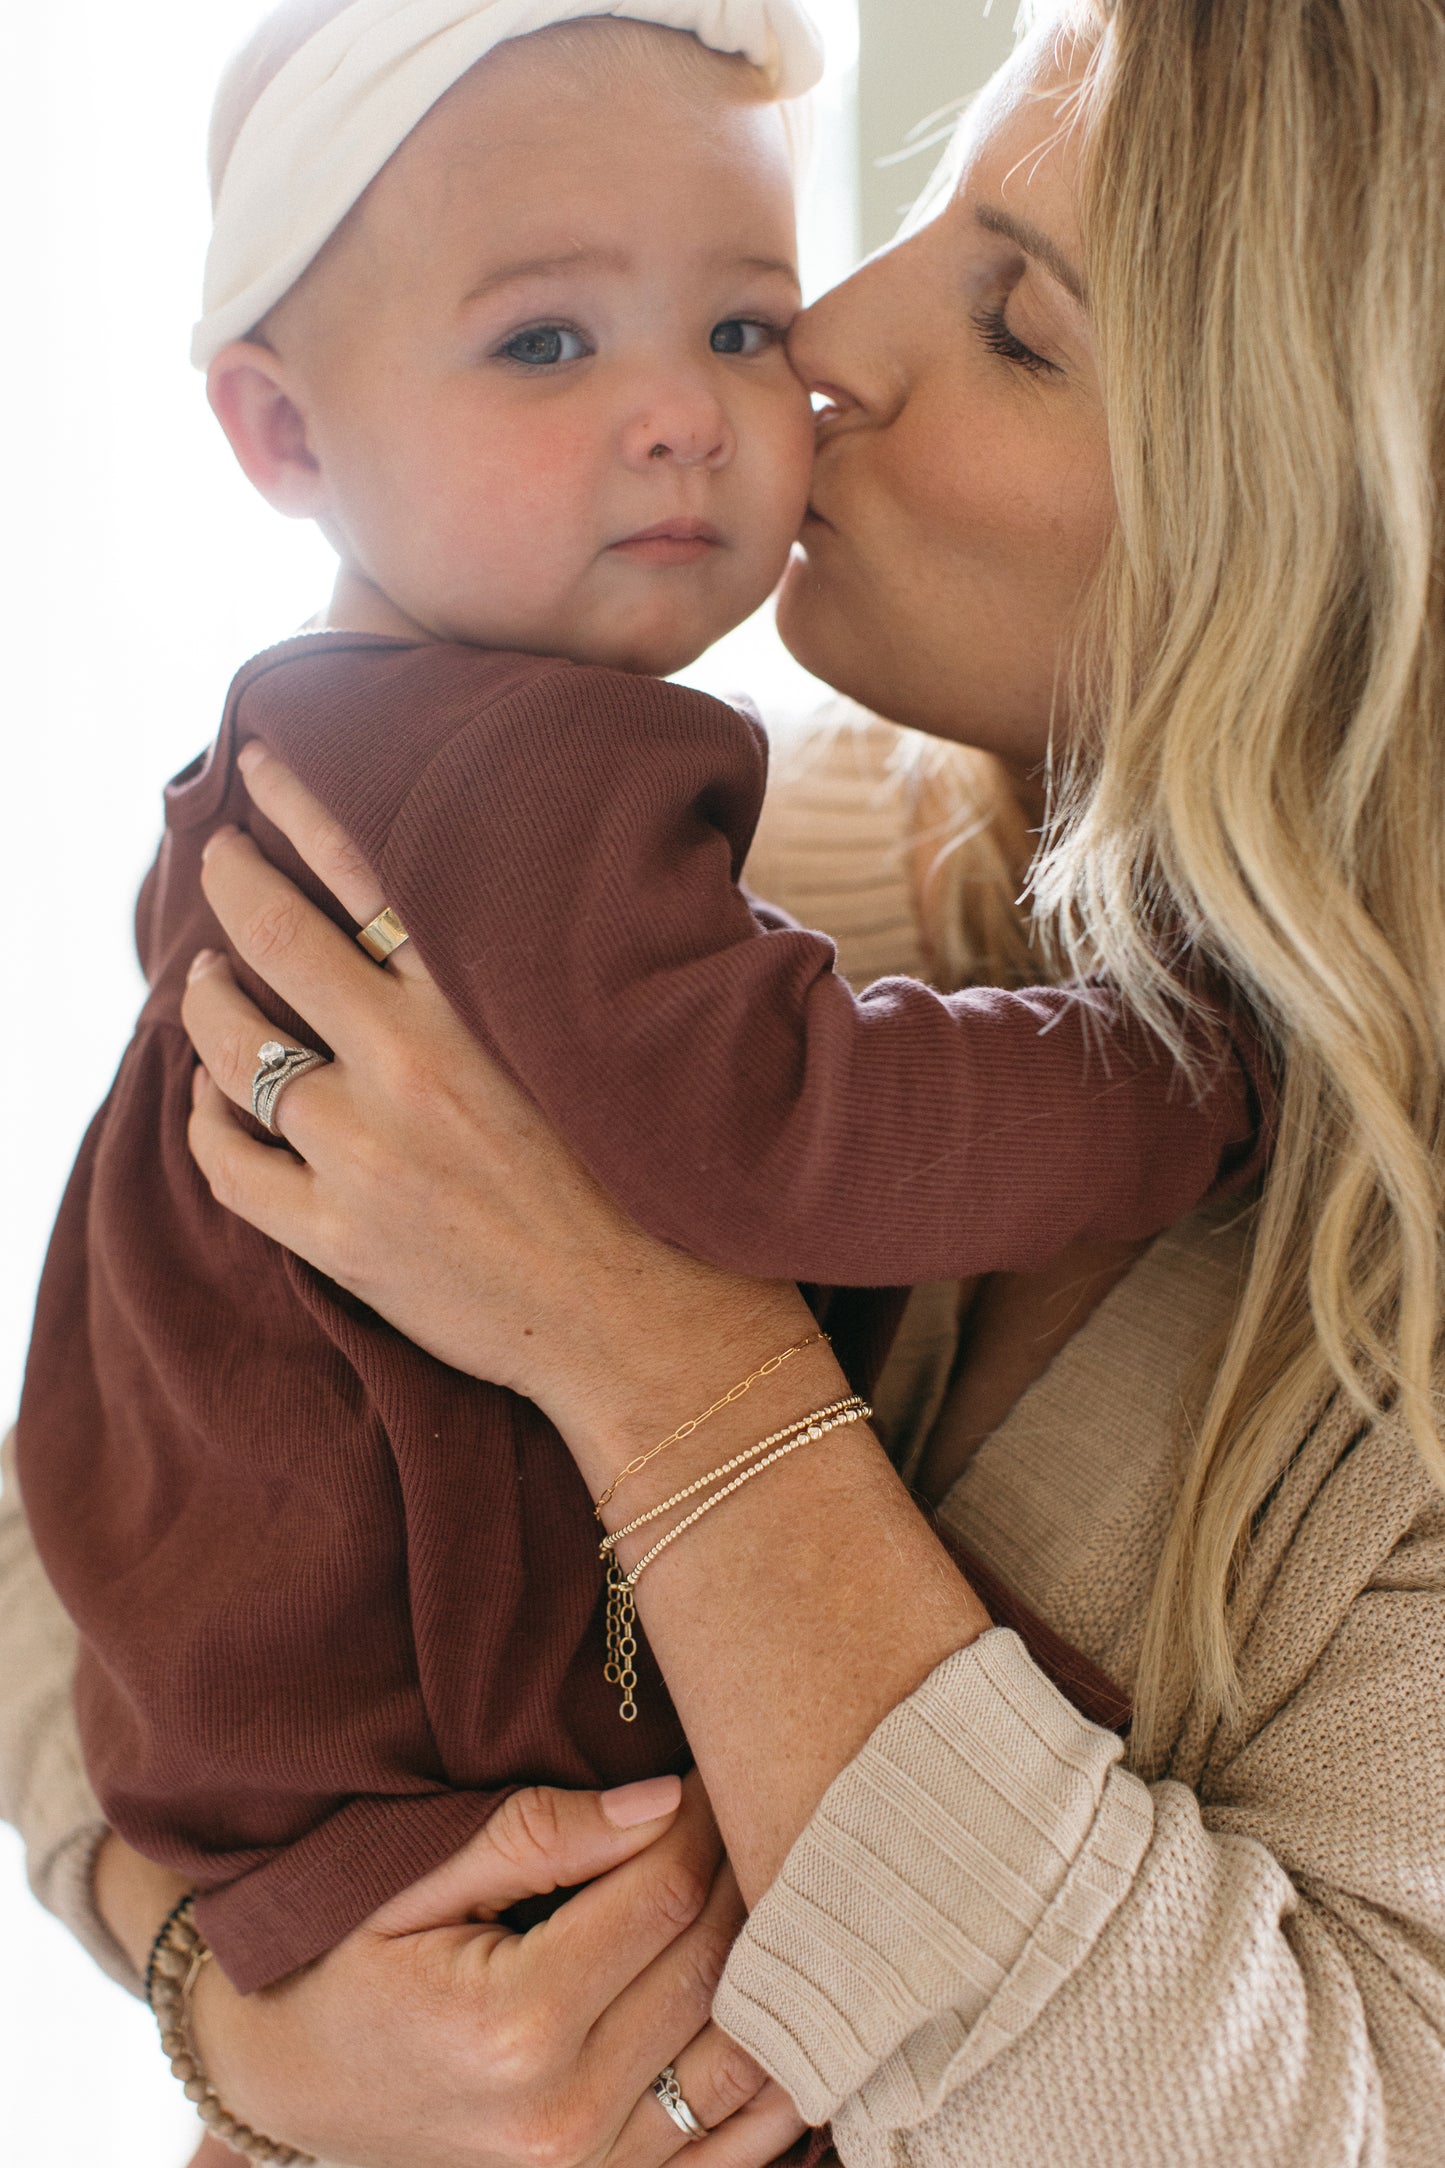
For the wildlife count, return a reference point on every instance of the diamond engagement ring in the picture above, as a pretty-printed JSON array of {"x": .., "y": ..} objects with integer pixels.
[
  {"x": 666, "y": 2089},
  {"x": 279, "y": 1066}
]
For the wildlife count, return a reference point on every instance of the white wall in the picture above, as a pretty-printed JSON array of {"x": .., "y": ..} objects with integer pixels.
[{"x": 920, "y": 59}]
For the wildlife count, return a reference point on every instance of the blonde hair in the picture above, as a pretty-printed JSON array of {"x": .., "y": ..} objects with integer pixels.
[
  {"x": 971, "y": 844},
  {"x": 1262, "y": 788},
  {"x": 624, "y": 46}
]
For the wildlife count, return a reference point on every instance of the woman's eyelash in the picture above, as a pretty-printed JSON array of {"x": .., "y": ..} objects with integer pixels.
[{"x": 992, "y": 327}]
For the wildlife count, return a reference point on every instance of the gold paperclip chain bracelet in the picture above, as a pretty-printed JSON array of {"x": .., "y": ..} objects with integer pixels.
[{"x": 768, "y": 1369}]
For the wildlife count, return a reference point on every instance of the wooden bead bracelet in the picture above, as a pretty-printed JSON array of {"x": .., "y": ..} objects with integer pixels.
[{"x": 178, "y": 1957}]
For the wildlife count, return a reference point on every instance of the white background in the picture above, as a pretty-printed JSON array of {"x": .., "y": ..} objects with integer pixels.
[{"x": 136, "y": 572}]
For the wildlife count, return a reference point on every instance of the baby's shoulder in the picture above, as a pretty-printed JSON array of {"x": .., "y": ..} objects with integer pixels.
[
  {"x": 406, "y": 701},
  {"x": 385, "y": 732}
]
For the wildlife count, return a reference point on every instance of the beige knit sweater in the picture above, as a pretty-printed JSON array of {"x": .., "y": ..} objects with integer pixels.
[{"x": 994, "y": 1946}]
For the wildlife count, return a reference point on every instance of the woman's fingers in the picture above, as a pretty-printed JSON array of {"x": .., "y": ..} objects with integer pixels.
[
  {"x": 228, "y": 1031},
  {"x": 540, "y": 1840},
  {"x": 270, "y": 1189},
  {"x": 649, "y": 1924},
  {"x": 640, "y": 1950},
  {"x": 758, "y": 2135},
  {"x": 651, "y": 2024},
  {"x": 751, "y": 2121},
  {"x": 315, "y": 968},
  {"x": 318, "y": 839}
]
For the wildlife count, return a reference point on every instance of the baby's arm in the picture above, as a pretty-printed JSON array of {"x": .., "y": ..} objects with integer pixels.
[{"x": 567, "y": 857}]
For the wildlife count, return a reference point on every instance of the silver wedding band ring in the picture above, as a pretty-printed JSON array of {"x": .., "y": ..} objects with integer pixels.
[
  {"x": 666, "y": 2089},
  {"x": 279, "y": 1066}
]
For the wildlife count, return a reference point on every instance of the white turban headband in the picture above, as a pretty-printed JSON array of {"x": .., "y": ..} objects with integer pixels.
[{"x": 322, "y": 130}]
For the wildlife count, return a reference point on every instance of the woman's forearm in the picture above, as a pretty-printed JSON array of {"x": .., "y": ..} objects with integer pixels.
[
  {"x": 794, "y": 1617},
  {"x": 133, "y": 1896}
]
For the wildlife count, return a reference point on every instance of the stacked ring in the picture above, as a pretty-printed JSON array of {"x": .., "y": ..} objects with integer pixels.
[
  {"x": 669, "y": 2095},
  {"x": 279, "y": 1066}
]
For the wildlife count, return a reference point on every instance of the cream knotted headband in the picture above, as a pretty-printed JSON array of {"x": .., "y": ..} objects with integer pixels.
[{"x": 322, "y": 130}]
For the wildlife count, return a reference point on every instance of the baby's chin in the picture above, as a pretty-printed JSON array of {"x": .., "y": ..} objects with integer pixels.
[
  {"x": 665, "y": 633},
  {"x": 655, "y": 643}
]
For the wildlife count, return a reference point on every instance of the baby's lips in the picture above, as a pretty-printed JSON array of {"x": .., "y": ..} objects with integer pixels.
[{"x": 671, "y": 530}]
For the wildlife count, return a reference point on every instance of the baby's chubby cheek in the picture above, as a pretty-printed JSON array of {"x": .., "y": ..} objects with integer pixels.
[
  {"x": 503, "y": 541},
  {"x": 767, "y": 493},
  {"x": 506, "y": 536}
]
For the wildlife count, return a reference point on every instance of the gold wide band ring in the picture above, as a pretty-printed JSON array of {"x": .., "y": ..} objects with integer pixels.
[
  {"x": 279, "y": 1066},
  {"x": 666, "y": 2090},
  {"x": 383, "y": 937}
]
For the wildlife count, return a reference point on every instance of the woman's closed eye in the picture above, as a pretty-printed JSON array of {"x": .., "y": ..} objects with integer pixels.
[
  {"x": 746, "y": 335},
  {"x": 993, "y": 328},
  {"x": 545, "y": 346}
]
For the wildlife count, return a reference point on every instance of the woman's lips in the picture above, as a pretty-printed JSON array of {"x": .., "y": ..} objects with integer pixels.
[{"x": 674, "y": 542}]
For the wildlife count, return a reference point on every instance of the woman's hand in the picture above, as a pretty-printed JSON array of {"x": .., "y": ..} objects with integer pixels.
[
  {"x": 436, "y": 2038},
  {"x": 427, "y": 1184}
]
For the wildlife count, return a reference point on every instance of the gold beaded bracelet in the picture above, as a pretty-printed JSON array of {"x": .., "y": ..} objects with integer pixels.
[
  {"x": 179, "y": 1956},
  {"x": 768, "y": 1369},
  {"x": 620, "y": 1669}
]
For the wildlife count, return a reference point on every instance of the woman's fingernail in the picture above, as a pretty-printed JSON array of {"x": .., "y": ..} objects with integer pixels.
[
  {"x": 222, "y": 835},
  {"x": 201, "y": 963},
  {"x": 632, "y": 1804},
  {"x": 248, "y": 756}
]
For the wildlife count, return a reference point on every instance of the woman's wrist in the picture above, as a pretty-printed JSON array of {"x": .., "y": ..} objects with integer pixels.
[
  {"x": 665, "y": 1350},
  {"x": 133, "y": 1897}
]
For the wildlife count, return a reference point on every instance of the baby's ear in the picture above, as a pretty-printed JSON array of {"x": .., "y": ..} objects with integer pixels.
[{"x": 246, "y": 385}]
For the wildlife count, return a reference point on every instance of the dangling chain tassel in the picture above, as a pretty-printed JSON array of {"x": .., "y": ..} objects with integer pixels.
[
  {"x": 620, "y": 1670},
  {"x": 622, "y": 1639}
]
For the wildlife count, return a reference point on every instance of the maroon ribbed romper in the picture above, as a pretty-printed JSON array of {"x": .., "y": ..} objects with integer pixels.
[{"x": 335, "y": 1598}]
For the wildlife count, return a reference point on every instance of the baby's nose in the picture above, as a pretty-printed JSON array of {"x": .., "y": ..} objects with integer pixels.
[{"x": 686, "y": 429}]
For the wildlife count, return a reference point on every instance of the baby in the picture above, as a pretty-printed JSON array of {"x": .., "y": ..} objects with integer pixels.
[{"x": 500, "y": 299}]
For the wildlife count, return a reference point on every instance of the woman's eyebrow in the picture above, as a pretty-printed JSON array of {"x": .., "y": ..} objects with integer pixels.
[{"x": 1034, "y": 242}]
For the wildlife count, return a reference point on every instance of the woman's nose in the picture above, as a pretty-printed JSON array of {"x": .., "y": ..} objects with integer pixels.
[
  {"x": 684, "y": 425},
  {"x": 846, "y": 349}
]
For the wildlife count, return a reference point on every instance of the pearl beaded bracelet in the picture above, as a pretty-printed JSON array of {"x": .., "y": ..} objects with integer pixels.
[{"x": 178, "y": 1957}]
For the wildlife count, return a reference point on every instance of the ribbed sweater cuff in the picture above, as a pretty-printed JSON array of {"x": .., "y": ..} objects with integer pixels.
[
  {"x": 953, "y": 1877},
  {"x": 65, "y": 1884}
]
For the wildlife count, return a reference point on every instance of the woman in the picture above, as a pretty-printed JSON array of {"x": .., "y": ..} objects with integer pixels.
[{"x": 978, "y": 1934}]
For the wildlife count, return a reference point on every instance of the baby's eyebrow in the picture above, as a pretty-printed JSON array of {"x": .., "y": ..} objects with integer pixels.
[
  {"x": 565, "y": 261},
  {"x": 554, "y": 266}
]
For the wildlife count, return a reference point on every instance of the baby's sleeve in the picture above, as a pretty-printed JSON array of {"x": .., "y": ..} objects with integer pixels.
[{"x": 566, "y": 854}]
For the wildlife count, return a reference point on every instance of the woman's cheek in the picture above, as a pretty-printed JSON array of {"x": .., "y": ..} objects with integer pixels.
[{"x": 806, "y": 625}]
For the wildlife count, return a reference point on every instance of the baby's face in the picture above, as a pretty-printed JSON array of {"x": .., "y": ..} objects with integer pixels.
[{"x": 543, "y": 370}]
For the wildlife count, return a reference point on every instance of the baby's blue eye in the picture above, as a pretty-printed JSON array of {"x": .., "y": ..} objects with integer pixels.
[
  {"x": 545, "y": 345},
  {"x": 741, "y": 336}
]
